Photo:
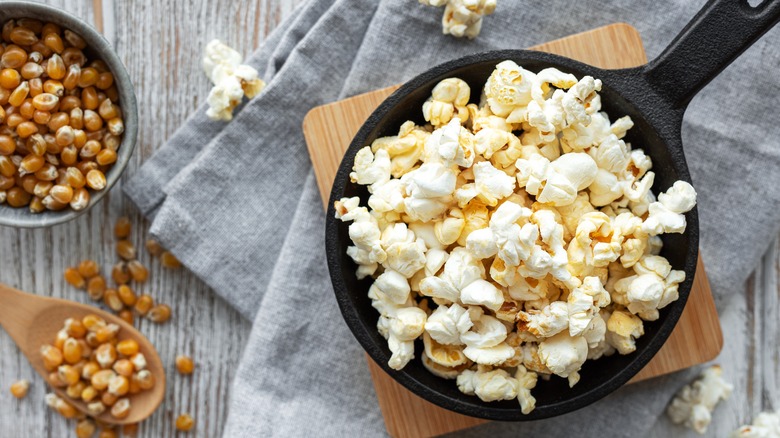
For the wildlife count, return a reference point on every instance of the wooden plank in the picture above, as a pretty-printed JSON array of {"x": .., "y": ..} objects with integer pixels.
[
  {"x": 330, "y": 128},
  {"x": 161, "y": 44}
]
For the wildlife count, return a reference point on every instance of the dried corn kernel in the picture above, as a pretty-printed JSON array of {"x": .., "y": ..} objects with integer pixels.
[
  {"x": 96, "y": 180},
  {"x": 120, "y": 273},
  {"x": 96, "y": 409},
  {"x": 121, "y": 408},
  {"x": 61, "y": 406},
  {"x": 74, "y": 278},
  {"x": 108, "y": 399},
  {"x": 111, "y": 299},
  {"x": 122, "y": 228},
  {"x": 75, "y": 328},
  {"x": 89, "y": 393},
  {"x": 127, "y": 316},
  {"x": 107, "y": 333},
  {"x": 89, "y": 370},
  {"x": 55, "y": 381},
  {"x": 74, "y": 391},
  {"x": 71, "y": 351},
  {"x": 52, "y": 357},
  {"x": 139, "y": 361},
  {"x": 154, "y": 247},
  {"x": 119, "y": 385},
  {"x": 85, "y": 429},
  {"x": 168, "y": 260},
  {"x": 19, "y": 388},
  {"x": 123, "y": 367},
  {"x": 185, "y": 423},
  {"x": 93, "y": 322},
  {"x": 160, "y": 313},
  {"x": 101, "y": 379},
  {"x": 128, "y": 347},
  {"x": 96, "y": 287},
  {"x": 130, "y": 429},
  {"x": 144, "y": 304},
  {"x": 138, "y": 271},
  {"x": 127, "y": 295},
  {"x": 184, "y": 364},
  {"x": 68, "y": 374},
  {"x": 145, "y": 379},
  {"x": 80, "y": 199},
  {"x": 89, "y": 268},
  {"x": 125, "y": 249}
]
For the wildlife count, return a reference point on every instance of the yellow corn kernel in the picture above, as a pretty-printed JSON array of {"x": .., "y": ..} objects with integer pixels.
[
  {"x": 125, "y": 249},
  {"x": 101, "y": 379},
  {"x": 168, "y": 260},
  {"x": 138, "y": 271},
  {"x": 111, "y": 299},
  {"x": 160, "y": 313},
  {"x": 105, "y": 356},
  {"x": 36, "y": 205},
  {"x": 89, "y": 393},
  {"x": 107, "y": 333},
  {"x": 19, "y": 388},
  {"x": 145, "y": 379},
  {"x": 61, "y": 193},
  {"x": 121, "y": 408},
  {"x": 96, "y": 408},
  {"x": 19, "y": 94},
  {"x": 96, "y": 287},
  {"x": 75, "y": 279},
  {"x": 55, "y": 381},
  {"x": 86, "y": 350},
  {"x": 93, "y": 322},
  {"x": 127, "y": 295},
  {"x": 71, "y": 351},
  {"x": 89, "y": 268},
  {"x": 134, "y": 387},
  {"x": 75, "y": 178},
  {"x": 89, "y": 370},
  {"x": 123, "y": 367},
  {"x": 10, "y": 78},
  {"x": 60, "y": 338},
  {"x": 185, "y": 423},
  {"x": 128, "y": 347},
  {"x": 120, "y": 273},
  {"x": 55, "y": 67},
  {"x": 80, "y": 199},
  {"x": 85, "y": 429},
  {"x": 75, "y": 328},
  {"x": 68, "y": 374},
  {"x": 23, "y": 36},
  {"x": 119, "y": 386},
  {"x": 106, "y": 157},
  {"x": 61, "y": 406},
  {"x": 74, "y": 391},
  {"x": 139, "y": 361},
  {"x": 154, "y": 247},
  {"x": 185, "y": 364},
  {"x": 144, "y": 303},
  {"x": 127, "y": 316},
  {"x": 92, "y": 340},
  {"x": 96, "y": 180},
  {"x": 52, "y": 357},
  {"x": 122, "y": 228}
]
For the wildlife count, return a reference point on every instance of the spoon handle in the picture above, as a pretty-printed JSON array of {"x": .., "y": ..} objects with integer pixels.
[{"x": 17, "y": 310}]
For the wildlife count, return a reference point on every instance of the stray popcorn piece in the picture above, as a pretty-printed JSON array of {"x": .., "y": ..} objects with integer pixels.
[
  {"x": 765, "y": 425},
  {"x": 516, "y": 237},
  {"x": 463, "y": 17},
  {"x": 694, "y": 403},
  {"x": 232, "y": 80}
]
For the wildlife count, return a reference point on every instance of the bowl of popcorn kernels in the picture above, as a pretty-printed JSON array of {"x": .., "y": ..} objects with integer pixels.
[
  {"x": 68, "y": 116},
  {"x": 509, "y": 238}
]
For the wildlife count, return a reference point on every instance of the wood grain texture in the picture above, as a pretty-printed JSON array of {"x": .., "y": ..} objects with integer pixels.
[
  {"x": 160, "y": 43},
  {"x": 329, "y": 130}
]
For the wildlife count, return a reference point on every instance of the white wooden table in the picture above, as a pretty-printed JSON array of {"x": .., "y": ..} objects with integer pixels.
[{"x": 160, "y": 42}]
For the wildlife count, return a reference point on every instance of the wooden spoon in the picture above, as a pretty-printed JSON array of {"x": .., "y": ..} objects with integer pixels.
[{"x": 33, "y": 321}]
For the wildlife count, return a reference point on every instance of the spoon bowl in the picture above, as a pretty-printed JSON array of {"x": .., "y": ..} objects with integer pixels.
[{"x": 33, "y": 321}]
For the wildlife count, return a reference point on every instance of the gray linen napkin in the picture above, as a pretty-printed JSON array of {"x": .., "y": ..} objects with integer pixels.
[{"x": 260, "y": 243}]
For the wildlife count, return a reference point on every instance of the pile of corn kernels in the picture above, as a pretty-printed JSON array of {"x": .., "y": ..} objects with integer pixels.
[
  {"x": 105, "y": 385},
  {"x": 60, "y": 120}
]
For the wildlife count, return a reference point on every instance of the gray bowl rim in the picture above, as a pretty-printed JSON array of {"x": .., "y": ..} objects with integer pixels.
[{"x": 21, "y": 217}]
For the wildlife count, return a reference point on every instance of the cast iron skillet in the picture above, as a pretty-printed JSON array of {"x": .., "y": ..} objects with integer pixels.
[{"x": 655, "y": 96}]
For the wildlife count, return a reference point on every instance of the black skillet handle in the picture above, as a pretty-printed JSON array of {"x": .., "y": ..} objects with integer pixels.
[{"x": 717, "y": 35}]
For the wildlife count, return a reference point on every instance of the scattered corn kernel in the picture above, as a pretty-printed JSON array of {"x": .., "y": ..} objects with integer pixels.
[
  {"x": 127, "y": 295},
  {"x": 154, "y": 247},
  {"x": 88, "y": 268},
  {"x": 138, "y": 271},
  {"x": 160, "y": 313},
  {"x": 111, "y": 299},
  {"x": 144, "y": 304},
  {"x": 85, "y": 429},
  {"x": 185, "y": 423},
  {"x": 168, "y": 260},
  {"x": 107, "y": 433},
  {"x": 19, "y": 388},
  {"x": 74, "y": 278},
  {"x": 185, "y": 364},
  {"x": 123, "y": 227},
  {"x": 130, "y": 429},
  {"x": 96, "y": 287},
  {"x": 120, "y": 273},
  {"x": 125, "y": 249}
]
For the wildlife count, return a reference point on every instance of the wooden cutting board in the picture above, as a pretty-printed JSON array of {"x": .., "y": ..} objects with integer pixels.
[{"x": 329, "y": 129}]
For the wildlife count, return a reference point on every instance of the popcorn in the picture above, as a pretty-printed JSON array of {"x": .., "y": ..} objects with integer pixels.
[
  {"x": 516, "y": 237},
  {"x": 564, "y": 355},
  {"x": 449, "y": 97},
  {"x": 694, "y": 403},
  {"x": 463, "y": 17},
  {"x": 232, "y": 80},
  {"x": 765, "y": 425}
]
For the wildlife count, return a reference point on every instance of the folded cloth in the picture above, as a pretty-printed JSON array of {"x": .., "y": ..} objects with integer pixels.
[{"x": 237, "y": 202}]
